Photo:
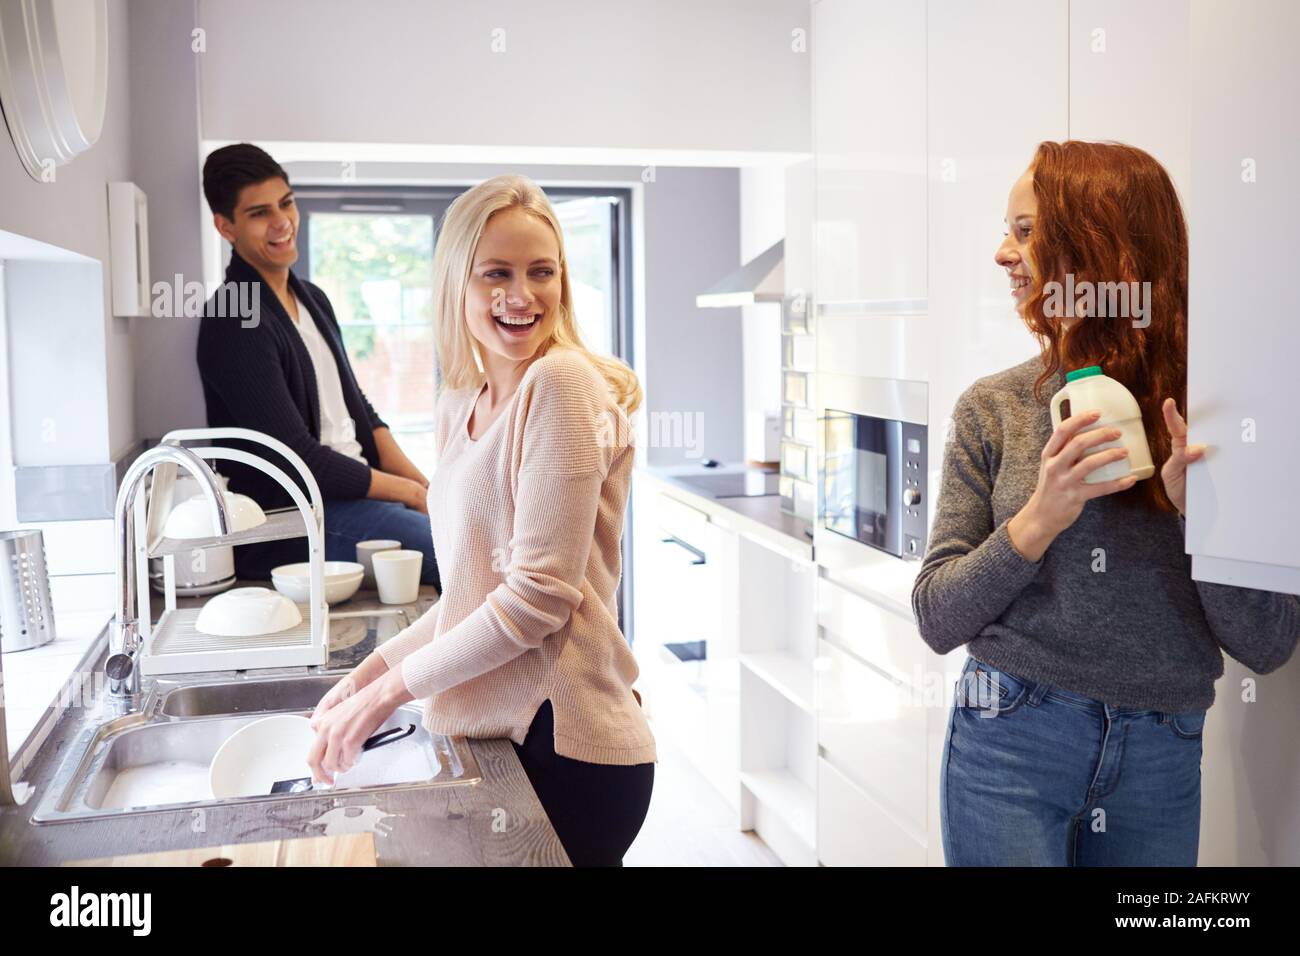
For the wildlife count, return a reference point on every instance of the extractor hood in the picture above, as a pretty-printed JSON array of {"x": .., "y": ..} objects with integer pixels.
[{"x": 761, "y": 279}]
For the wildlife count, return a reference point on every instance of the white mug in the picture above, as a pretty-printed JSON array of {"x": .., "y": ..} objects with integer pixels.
[
  {"x": 366, "y": 551},
  {"x": 398, "y": 575}
]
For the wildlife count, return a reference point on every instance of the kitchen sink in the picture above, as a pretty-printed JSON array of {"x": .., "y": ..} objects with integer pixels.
[
  {"x": 254, "y": 695},
  {"x": 157, "y": 760}
]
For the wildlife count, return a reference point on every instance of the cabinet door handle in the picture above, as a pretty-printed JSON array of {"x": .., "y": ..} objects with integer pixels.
[{"x": 673, "y": 539}]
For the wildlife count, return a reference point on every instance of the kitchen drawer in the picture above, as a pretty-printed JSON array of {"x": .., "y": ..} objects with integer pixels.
[
  {"x": 874, "y": 731},
  {"x": 682, "y": 521},
  {"x": 872, "y": 633},
  {"x": 852, "y": 830},
  {"x": 680, "y": 602}
]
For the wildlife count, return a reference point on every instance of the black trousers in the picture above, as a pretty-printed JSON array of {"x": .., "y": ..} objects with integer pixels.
[{"x": 596, "y": 809}]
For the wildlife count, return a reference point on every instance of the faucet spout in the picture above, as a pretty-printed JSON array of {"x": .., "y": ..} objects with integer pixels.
[{"x": 123, "y": 665}]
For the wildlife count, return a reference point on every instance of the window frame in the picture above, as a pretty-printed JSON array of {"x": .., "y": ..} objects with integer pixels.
[{"x": 434, "y": 200}]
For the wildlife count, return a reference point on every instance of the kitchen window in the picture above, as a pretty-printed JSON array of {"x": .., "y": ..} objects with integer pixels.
[{"x": 371, "y": 250}]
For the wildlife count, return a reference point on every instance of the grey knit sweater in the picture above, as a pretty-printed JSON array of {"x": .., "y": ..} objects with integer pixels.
[{"x": 1140, "y": 633}]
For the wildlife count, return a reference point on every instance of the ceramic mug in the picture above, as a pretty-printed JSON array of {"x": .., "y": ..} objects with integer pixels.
[
  {"x": 366, "y": 551},
  {"x": 397, "y": 573}
]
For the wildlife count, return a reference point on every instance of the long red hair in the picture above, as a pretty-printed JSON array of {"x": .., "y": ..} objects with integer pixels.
[{"x": 1108, "y": 212}]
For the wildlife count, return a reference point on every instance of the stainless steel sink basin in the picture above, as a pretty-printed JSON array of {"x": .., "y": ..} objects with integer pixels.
[
  {"x": 253, "y": 695},
  {"x": 157, "y": 759}
]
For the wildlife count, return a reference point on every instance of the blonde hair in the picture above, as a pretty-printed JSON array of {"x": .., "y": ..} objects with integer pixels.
[{"x": 463, "y": 224}]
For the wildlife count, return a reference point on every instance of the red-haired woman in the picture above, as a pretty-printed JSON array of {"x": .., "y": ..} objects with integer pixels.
[{"x": 1075, "y": 733}]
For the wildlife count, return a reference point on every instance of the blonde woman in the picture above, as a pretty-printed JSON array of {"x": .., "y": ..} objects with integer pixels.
[{"x": 526, "y": 505}]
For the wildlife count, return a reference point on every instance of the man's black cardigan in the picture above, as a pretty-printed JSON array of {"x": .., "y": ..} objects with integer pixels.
[{"x": 261, "y": 377}]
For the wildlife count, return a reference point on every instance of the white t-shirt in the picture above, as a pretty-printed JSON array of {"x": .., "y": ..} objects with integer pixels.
[{"x": 337, "y": 430}]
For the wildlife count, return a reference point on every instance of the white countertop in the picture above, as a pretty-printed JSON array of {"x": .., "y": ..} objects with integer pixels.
[
  {"x": 34, "y": 678},
  {"x": 880, "y": 577},
  {"x": 757, "y": 517}
]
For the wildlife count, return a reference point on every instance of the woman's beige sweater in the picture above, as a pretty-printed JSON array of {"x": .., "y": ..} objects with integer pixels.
[{"x": 527, "y": 523}]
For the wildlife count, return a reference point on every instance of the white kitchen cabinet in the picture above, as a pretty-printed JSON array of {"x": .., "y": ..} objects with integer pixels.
[
  {"x": 778, "y": 760},
  {"x": 872, "y": 729},
  {"x": 684, "y": 568},
  {"x": 1242, "y": 525},
  {"x": 1130, "y": 78},
  {"x": 882, "y": 638},
  {"x": 778, "y": 731},
  {"x": 746, "y": 717},
  {"x": 998, "y": 85},
  {"x": 853, "y": 830},
  {"x": 869, "y": 138},
  {"x": 882, "y": 711}
]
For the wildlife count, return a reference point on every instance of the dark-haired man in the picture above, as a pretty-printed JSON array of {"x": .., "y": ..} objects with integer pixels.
[{"x": 287, "y": 374}]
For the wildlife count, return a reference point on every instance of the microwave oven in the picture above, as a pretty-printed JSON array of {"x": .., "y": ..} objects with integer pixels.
[{"x": 874, "y": 462}]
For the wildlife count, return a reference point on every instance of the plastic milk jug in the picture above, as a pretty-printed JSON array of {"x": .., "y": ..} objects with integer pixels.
[{"x": 1087, "y": 388}]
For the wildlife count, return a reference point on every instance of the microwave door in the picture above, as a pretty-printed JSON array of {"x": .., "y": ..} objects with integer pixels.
[
  {"x": 864, "y": 479},
  {"x": 871, "y": 487},
  {"x": 893, "y": 487},
  {"x": 840, "y": 479}
]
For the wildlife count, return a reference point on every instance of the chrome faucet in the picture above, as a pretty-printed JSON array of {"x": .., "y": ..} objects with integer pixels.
[{"x": 123, "y": 664}]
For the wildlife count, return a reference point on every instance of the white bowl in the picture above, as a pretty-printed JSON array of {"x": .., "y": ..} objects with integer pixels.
[
  {"x": 192, "y": 518},
  {"x": 245, "y": 612},
  {"x": 259, "y": 754},
  {"x": 342, "y": 578}
]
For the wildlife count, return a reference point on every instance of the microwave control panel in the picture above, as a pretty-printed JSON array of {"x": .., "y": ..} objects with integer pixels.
[{"x": 915, "y": 498}]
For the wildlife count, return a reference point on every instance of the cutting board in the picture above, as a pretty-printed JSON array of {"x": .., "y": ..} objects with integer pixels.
[{"x": 354, "y": 849}]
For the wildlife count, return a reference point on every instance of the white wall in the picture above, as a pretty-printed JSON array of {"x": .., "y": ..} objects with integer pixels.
[
  {"x": 166, "y": 164},
  {"x": 56, "y": 361},
  {"x": 693, "y": 356},
  {"x": 672, "y": 74},
  {"x": 72, "y": 213}
]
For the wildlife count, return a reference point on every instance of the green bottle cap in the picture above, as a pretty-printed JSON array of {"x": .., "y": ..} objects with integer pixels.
[{"x": 1083, "y": 372}]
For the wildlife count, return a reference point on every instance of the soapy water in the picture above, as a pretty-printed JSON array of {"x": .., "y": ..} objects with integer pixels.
[
  {"x": 179, "y": 781},
  {"x": 390, "y": 765},
  {"x": 169, "y": 781}
]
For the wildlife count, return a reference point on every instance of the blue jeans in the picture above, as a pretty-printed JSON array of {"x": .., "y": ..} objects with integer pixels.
[
  {"x": 1034, "y": 775},
  {"x": 349, "y": 520}
]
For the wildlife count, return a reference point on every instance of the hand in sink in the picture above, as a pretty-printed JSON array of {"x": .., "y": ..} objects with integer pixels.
[
  {"x": 343, "y": 725},
  {"x": 371, "y": 669},
  {"x": 336, "y": 695}
]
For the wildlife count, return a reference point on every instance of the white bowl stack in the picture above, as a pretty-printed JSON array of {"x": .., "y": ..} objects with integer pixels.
[{"x": 342, "y": 579}]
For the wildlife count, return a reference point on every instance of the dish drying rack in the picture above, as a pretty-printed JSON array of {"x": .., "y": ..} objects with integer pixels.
[{"x": 173, "y": 644}]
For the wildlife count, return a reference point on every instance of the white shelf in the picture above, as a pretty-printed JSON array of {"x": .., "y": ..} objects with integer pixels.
[
  {"x": 177, "y": 646},
  {"x": 279, "y": 525},
  {"x": 788, "y": 675},
  {"x": 789, "y": 797},
  {"x": 706, "y": 677}
]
